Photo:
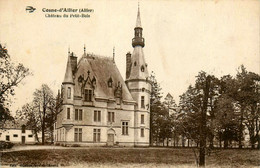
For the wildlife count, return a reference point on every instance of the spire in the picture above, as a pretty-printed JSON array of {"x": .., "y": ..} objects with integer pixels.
[
  {"x": 84, "y": 49},
  {"x": 68, "y": 74},
  {"x": 69, "y": 50},
  {"x": 114, "y": 54},
  {"x": 138, "y": 40},
  {"x": 138, "y": 20}
]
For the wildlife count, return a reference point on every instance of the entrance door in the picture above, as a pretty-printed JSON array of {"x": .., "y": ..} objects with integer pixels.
[
  {"x": 110, "y": 139},
  {"x": 23, "y": 139}
]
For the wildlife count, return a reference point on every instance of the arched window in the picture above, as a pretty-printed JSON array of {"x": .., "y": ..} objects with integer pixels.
[
  {"x": 142, "y": 68},
  {"x": 110, "y": 82}
]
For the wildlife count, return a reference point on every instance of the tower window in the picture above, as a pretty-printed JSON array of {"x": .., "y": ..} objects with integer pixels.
[
  {"x": 142, "y": 102},
  {"x": 110, "y": 82},
  {"x": 88, "y": 95},
  {"x": 135, "y": 64},
  {"x": 142, "y": 119},
  {"x": 142, "y": 68},
  {"x": 68, "y": 113},
  {"x": 142, "y": 132},
  {"x": 69, "y": 93}
]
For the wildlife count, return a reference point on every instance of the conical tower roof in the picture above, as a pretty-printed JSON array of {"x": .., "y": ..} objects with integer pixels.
[{"x": 68, "y": 78}]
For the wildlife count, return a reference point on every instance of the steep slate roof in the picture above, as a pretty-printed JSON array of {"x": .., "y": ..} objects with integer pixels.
[
  {"x": 68, "y": 74},
  {"x": 102, "y": 68},
  {"x": 138, "y": 58}
]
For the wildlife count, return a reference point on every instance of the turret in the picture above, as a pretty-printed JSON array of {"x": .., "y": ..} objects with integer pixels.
[
  {"x": 139, "y": 85},
  {"x": 138, "y": 40},
  {"x": 68, "y": 91}
]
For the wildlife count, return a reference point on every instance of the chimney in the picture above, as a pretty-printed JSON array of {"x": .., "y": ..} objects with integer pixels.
[
  {"x": 73, "y": 60},
  {"x": 128, "y": 64}
]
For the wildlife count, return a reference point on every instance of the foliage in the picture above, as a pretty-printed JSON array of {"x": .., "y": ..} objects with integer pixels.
[
  {"x": 11, "y": 75},
  {"x": 40, "y": 114},
  {"x": 6, "y": 145}
]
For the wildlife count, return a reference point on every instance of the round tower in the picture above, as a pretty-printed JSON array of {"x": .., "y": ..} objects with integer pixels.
[
  {"x": 137, "y": 80},
  {"x": 68, "y": 92}
]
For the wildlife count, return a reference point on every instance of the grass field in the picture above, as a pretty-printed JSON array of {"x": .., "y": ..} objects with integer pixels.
[{"x": 129, "y": 157}]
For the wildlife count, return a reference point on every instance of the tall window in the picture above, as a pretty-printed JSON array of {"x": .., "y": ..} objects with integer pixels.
[
  {"x": 23, "y": 128},
  {"x": 124, "y": 128},
  {"x": 69, "y": 93},
  {"x": 97, "y": 116},
  {"x": 68, "y": 113},
  {"x": 111, "y": 117},
  {"x": 142, "y": 102},
  {"x": 88, "y": 95},
  {"x": 142, "y": 132},
  {"x": 78, "y": 134},
  {"x": 142, "y": 119},
  {"x": 96, "y": 135},
  {"x": 78, "y": 114}
]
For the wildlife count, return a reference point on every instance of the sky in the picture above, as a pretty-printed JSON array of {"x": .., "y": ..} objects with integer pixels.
[{"x": 182, "y": 37}]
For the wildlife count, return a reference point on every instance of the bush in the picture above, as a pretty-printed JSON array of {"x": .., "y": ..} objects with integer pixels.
[
  {"x": 75, "y": 145},
  {"x": 6, "y": 145}
]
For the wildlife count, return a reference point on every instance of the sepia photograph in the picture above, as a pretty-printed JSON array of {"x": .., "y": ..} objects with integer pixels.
[{"x": 134, "y": 83}]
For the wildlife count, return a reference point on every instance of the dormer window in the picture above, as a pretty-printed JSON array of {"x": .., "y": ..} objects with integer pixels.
[
  {"x": 142, "y": 68},
  {"x": 110, "y": 82},
  {"x": 88, "y": 95}
]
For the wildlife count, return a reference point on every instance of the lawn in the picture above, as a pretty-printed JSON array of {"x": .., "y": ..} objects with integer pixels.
[{"x": 129, "y": 157}]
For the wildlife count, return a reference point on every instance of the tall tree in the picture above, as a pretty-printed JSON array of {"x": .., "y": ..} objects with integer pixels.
[
  {"x": 30, "y": 114},
  {"x": 155, "y": 107},
  {"x": 43, "y": 99},
  {"x": 248, "y": 97},
  {"x": 11, "y": 75}
]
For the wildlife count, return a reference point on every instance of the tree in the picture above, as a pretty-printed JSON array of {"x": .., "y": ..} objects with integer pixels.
[
  {"x": 11, "y": 75},
  {"x": 155, "y": 108},
  {"x": 169, "y": 124},
  {"x": 43, "y": 99},
  {"x": 30, "y": 114},
  {"x": 41, "y": 113},
  {"x": 247, "y": 94}
]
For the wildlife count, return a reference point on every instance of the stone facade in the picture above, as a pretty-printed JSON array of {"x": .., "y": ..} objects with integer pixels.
[{"x": 99, "y": 107}]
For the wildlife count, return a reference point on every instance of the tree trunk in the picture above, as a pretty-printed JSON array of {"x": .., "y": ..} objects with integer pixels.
[
  {"x": 225, "y": 143},
  {"x": 43, "y": 126},
  {"x": 167, "y": 141},
  {"x": 174, "y": 140},
  {"x": 241, "y": 128},
  {"x": 203, "y": 123}
]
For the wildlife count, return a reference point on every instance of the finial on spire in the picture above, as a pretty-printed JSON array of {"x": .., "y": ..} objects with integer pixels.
[
  {"x": 84, "y": 49},
  {"x": 69, "y": 50},
  {"x": 138, "y": 20},
  {"x": 114, "y": 54}
]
